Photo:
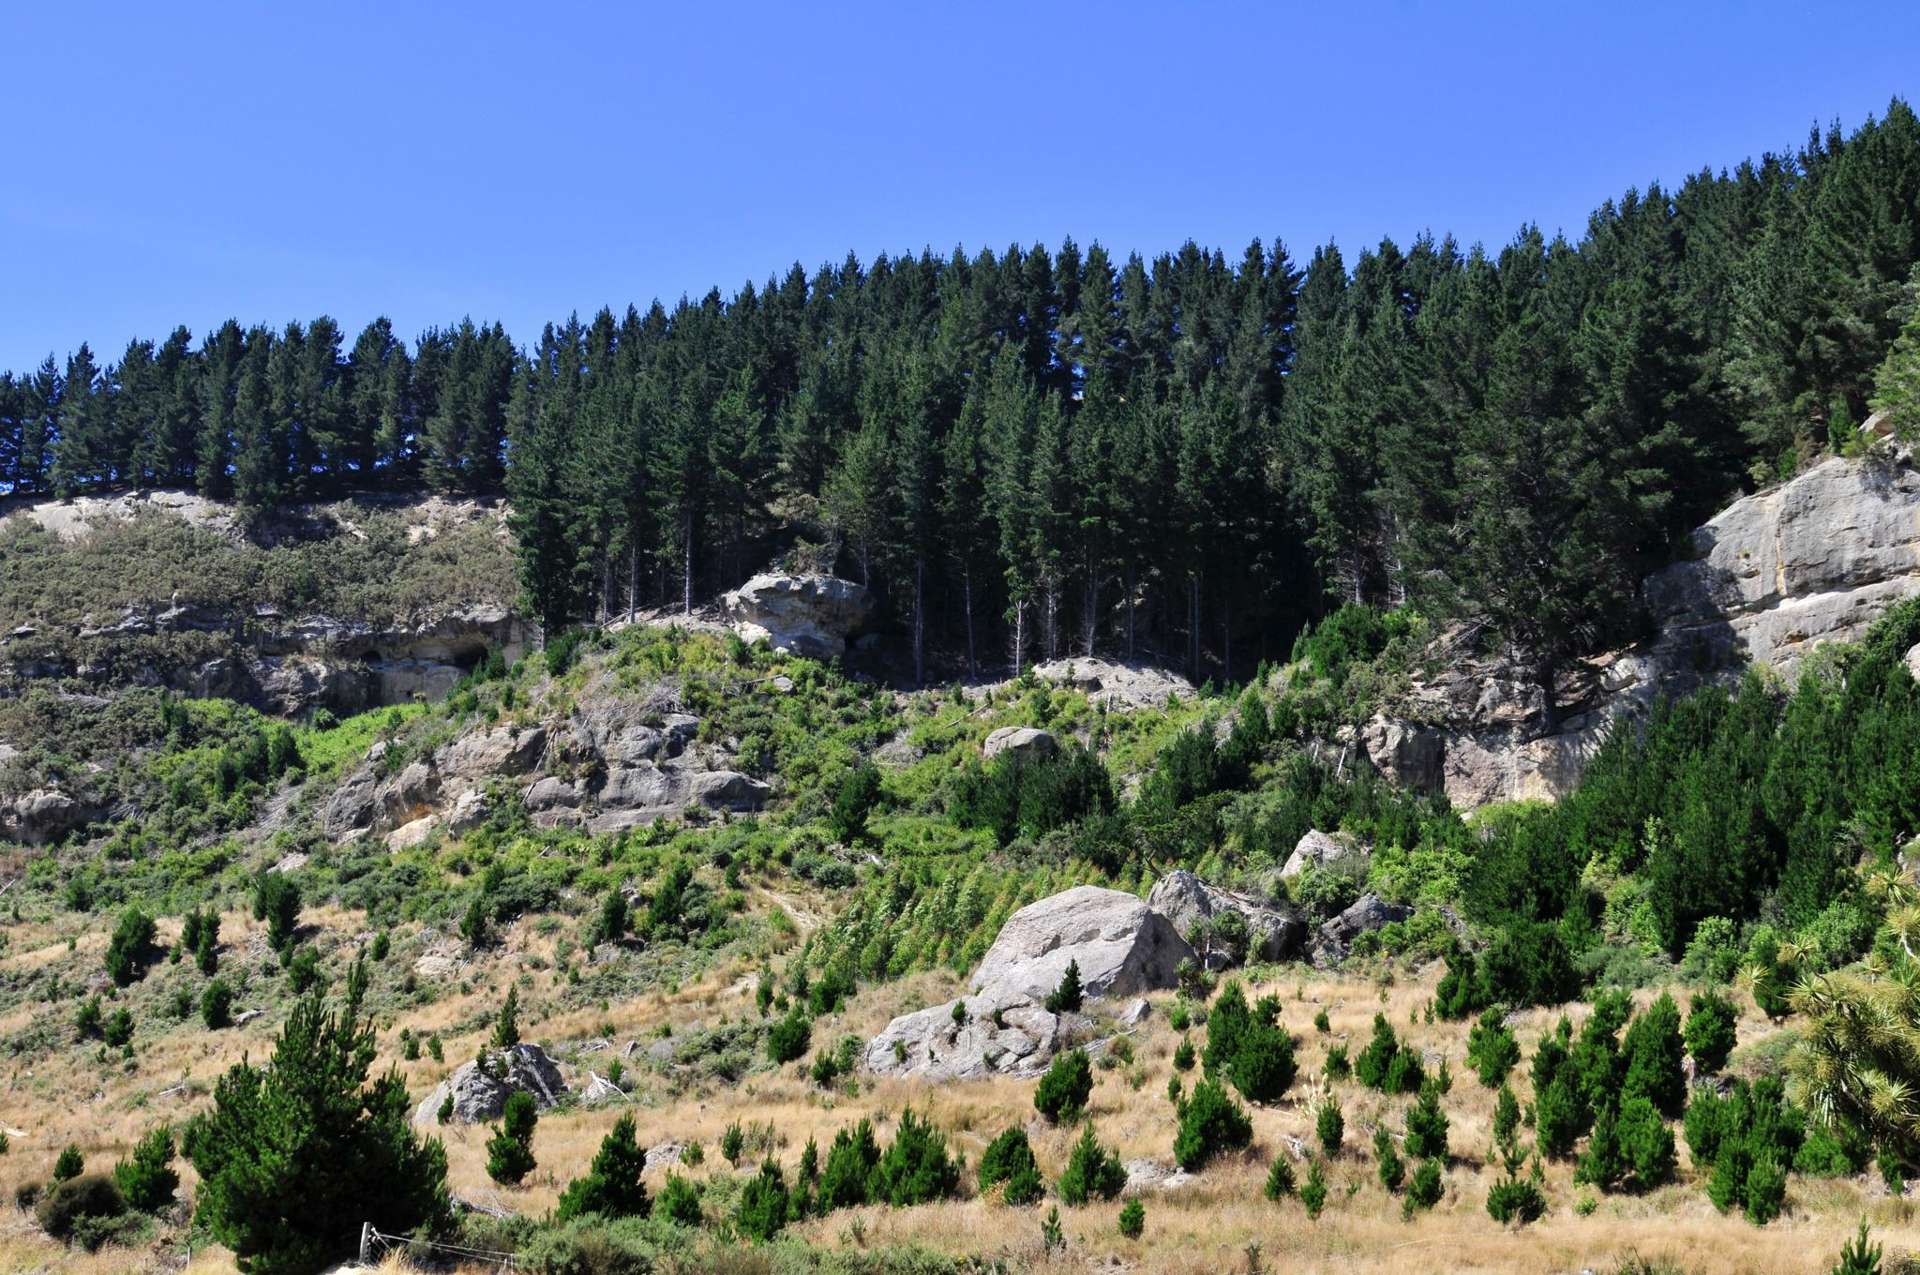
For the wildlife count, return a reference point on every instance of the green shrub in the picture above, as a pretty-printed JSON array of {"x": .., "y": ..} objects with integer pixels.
[
  {"x": 1227, "y": 1022},
  {"x": 1313, "y": 1192},
  {"x": 1646, "y": 1143},
  {"x": 1492, "y": 1050},
  {"x": 70, "y": 1204},
  {"x": 130, "y": 950},
  {"x": 678, "y": 1202},
  {"x": 1427, "y": 1125},
  {"x": 762, "y": 1210},
  {"x": 1425, "y": 1188},
  {"x": 789, "y": 1038},
  {"x": 1279, "y": 1178},
  {"x": 510, "y": 1149},
  {"x": 68, "y": 1164},
  {"x": 1858, "y": 1256},
  {"x": 1385, "y": 1064},
  {"x": 1092, "y": 1171},
  {"x": 1063, "y": 1091},
  {"x": 216, "y": 1005},
  {"x": 118, "y": 1029},
  {"x": 1460, "y": 991},
  {"x": 916, "y": 1168},
  {"x": 1183, "y": 1055},
  {"x": 1710, "y": 1032},
  {"x": 1330, "y": 1125},
  {"x": 1210, "y": 1123},
  {"x": 1263, "y": 1065},
  {"x": 1133, "y": 1219},
  {"x": 276, "y": 900},
  {"x": 87, "y": 1019},
  {"x": 1069, "y": 995},
  {"x": 611, "y": 1187},
  {"x": 1766, "y": 1188},
  {"x": 1390, "y": 1168},
  {"x": 1009, "y": 1159},
  {"x": 1653, "y": 1055},
  {"x": 847, "y": 1179},
  {"x": 1515, "y": 1199},
  {"x": 146, "y": 1177}
]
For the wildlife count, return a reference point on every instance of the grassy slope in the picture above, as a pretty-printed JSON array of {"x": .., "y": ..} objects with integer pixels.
[{"x": 759, "y": 886}]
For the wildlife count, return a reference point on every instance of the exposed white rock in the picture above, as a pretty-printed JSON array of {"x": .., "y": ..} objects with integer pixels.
[
  {"x": 1317, "y": 849},
  {"x": 1275, "y": 931},
  {"x": 1334, "y": 940},
  {"x": 1122, "y": 947},
  {"x": 480, "y": 1095},
  {"x": 1022, "y": 741},
  {"x": 809, "y": 615}
]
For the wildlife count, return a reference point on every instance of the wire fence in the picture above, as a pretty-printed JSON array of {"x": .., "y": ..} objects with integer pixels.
[{"x": 376, "y": 1244}]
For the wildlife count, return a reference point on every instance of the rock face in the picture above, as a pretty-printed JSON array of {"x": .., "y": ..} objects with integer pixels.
[
  {"x": 43, "y": 816},
  {"x": 287, "y": 663},
  {"x": 479, "y": 1096},
  {"x": 1021, "y": 741},
  {"x": 808, "y": 615},
  {"x": 635, "y": 763},
  {"x": 1123, "y": 947},
  {"x": 1117, "y": 685},
  {"x": 1766, "y": 581},
  {"x": 1316, "y": 849},
  {"x": 1334, "y": 941},
  {"x": 1015, "y": 1039},
  {"x": 1275, "y": 931}
]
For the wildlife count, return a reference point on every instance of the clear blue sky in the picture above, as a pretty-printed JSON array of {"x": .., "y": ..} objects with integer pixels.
[{"x": 187, "y": 162}]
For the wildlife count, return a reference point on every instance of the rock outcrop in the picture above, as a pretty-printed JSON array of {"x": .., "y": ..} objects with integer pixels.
[
  {"x": 1333, "y": 942},
  {"x": 1767, "y": 581},
  {"x": 1275, "y": 931},
  {"x": 1021, "y": 741},
  {"x": 1019, "y": 1039},
  {"x": 481, "y": 1095},
  {"x": 615, "y": 763},
  {"x": 43, "y": 816},
  {"x": 807, "y": 615},
  {"x": 186, "y": 631},
  {"x": 1316, "y": 849},
  {"x": 1122, "y": 946}
]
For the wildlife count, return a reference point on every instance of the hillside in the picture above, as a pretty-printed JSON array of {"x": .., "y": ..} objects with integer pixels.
[
  {"x": 794, "y": 851},
  {"x": 993, "y": 762}
]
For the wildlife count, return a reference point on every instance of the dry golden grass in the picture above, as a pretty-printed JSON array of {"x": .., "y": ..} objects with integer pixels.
[{"x": 1205, "y": 1228}]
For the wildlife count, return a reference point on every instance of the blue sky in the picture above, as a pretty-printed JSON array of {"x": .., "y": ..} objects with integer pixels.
[{"x": 184, "y": 163}]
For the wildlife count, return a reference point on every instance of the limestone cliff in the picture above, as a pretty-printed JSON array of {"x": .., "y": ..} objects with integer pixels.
[{"x": 1773, "y": 576}]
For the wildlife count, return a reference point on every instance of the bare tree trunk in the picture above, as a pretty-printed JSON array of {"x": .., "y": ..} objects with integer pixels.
[
  {"x": 919, "y": 620},
  {"x": 1132, "y": 612},
  {"x": 1089, "y": 622},
  {"x": 686, "y": 560},
  {"x": 966, "y": 602},
  {"x": 633, "y": 578},
  {"x": 1226, "y": 636},
  {"x": 1193, "y": 626},
  {"x": 1019, "y": 634}
]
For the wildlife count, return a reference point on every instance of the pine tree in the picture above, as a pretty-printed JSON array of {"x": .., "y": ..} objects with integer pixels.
[
  {"x": 294, "y": 1157},
  {"x": 611, "y": 1187},
  {"x": 510, "y": 1149}
]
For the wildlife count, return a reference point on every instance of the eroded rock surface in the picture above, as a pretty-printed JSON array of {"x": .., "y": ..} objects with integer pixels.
[
  {"x": 479, "y": 1095},
  {"x": 1766, "y": 582},
  {"x": 1123, "y": 947},
  {"x": 807, "y": 615},
  {"x": 1275, "y": 930}
]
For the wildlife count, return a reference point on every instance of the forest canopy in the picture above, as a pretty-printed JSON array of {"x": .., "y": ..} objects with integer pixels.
[{"x": 1040, "y": 452}]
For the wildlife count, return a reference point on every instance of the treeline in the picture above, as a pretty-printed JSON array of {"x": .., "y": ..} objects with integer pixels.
[{"x": 1039, "y": 453}]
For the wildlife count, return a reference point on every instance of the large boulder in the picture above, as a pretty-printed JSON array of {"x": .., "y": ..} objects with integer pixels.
[
  {"x": 1316, "y": 849},
  {"x": 1123, "y": 947},
  {"x": 1021, "y": 741},
  {"x": 480, "y": 1096},
  {"x": 1275, "y": 931},
  {"x": 1334, "y": 941},
  {"x": 1015, "y": 1039},
  {"x": 43, "y": 816},
  {"x": 809, "y": 615}
]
